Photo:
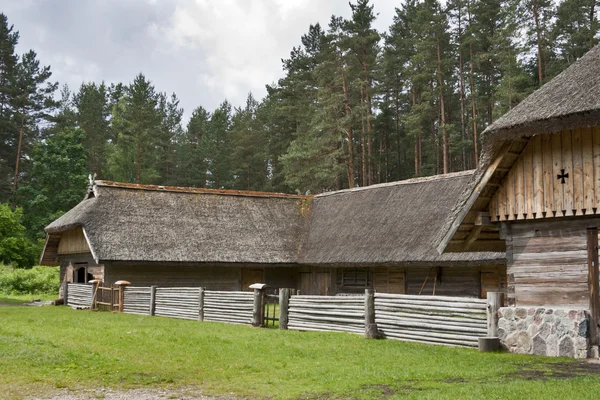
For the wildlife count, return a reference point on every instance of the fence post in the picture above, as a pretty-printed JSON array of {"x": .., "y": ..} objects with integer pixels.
[
  {"x": 491, "y": 342},
  {"x": 494, "y": 302},
  {"x": 259, "y": 301},
  {"x": 371, "y": 331},
  {"x": 201, "y": 304},
  {"x": 66, "y": 293},
  {"x": 152, "y": 300},
  {"x": 284, "y": 303},
  {"x": 95, "y": 283},
  {"x": 121, "y": 285}
]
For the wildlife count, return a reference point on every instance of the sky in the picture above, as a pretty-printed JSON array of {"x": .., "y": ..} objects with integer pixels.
[{"x": 205, "y": 51}]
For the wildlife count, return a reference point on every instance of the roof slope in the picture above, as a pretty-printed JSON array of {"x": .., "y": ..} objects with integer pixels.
[
  {"x": 570, "y": 100},
  {"x": 388, "y": 223},
  {"x": 155, "y": 223}
]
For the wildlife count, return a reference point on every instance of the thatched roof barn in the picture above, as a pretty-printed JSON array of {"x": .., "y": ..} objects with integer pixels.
[
  {"x": 338, "y": 242},
  {"x": 128, "y": 222},
  {"x": 391, "y": 223}
]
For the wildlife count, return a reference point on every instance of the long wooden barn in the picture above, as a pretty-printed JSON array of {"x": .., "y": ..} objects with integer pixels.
[
  {"x": 539, "y": 187},
  {"x": 380, "y": 237}
]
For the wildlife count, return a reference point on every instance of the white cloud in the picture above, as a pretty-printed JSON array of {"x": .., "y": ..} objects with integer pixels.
[{"x": 203, "y": 50}]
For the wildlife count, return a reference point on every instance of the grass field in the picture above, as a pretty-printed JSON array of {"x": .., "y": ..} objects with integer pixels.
[
  {"x": 16, "y": 299},
  {"x": 45, "y": 348}
]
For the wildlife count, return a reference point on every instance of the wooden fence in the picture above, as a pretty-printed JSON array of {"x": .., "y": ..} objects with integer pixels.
[
  {"x": 458, "y": 321},
  {"x": 444, "y": 320},
  {"x": 231, "y": 307},
  {"x": 327, "y": 313},
  {"x": 138, "y": 300},
  {"x": 79, "y": 295}
]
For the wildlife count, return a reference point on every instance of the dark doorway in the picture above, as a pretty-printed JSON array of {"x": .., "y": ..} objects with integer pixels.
[{"x": 80, "y": 275}]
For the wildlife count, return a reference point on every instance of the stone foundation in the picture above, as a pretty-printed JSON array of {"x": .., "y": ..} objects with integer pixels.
[{"x": 544, "y": 331}]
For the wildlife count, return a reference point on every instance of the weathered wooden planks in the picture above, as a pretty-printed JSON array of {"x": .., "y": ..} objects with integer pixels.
[
  {"x": 327, "y": 313},
  {"x": 444, "y": 320},
  {"x": 79, "y": 295},
  {"x": 137, "y": 300},
  {"x": 533, "y": 188}
]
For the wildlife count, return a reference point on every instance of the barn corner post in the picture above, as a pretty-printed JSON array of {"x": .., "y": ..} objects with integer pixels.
[
  {"x": 371, "y": 331},
  {"x": 258, "y": 305},
  {"x": 284, "y": 303},
  {"x": 152, "y": 308},
  {"x": 593, "y": 283},
  {"x": 491, "y": 342}
]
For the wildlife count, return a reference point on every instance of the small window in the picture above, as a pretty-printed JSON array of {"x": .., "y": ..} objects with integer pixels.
[
  {"x": 80, "y": 275},
  {"x": 356, "y": 277}
]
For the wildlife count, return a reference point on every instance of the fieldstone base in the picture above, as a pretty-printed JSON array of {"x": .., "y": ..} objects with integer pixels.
[{"x": 544, "y": 331}]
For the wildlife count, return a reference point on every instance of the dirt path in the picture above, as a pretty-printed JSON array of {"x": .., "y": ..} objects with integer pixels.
[{"x": 137, "y": 394}]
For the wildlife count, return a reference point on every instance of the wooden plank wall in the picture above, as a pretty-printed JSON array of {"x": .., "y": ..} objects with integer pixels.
[
  {"x": 73, "y": 242},
  {"x": 389, "y": 280},
  {"x": 452, "y": 281},
  {"x": 547, "y": 263},
  {"x": 213, "y": 278},
  {"x": 531, "y": 189}
]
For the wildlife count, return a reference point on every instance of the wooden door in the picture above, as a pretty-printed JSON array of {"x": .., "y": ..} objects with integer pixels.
[
  {"x": 251, "y": 276},
  {"x": 321, "y": 284},
  {"x": 305, "y": 284}
]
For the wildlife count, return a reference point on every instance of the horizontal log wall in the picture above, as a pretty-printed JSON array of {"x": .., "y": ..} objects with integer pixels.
[
  {"x": 327, "y": 313},
  {"x": 231, "y": 307},
  {"x": 79, "y": 295},
  {"x": 547, "y": 263},
  {"x": 137, "y": 300},
  {"x": 456, "y": 321},
  {"x": 180, "y": 302}
]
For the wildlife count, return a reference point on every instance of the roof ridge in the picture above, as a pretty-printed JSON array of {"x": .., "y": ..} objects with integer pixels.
[
  {"x": 410, "y": 181},
  {"x": 191, "y": 190}
]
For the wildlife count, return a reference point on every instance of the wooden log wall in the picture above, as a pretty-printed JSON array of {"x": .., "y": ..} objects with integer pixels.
[
  {"x": 327, "y": 313},
  {"x": 547, "y": 262},
  {"x": 532, "y": 189},
  {"x": 231, "y": 307},
  {"x": 79, "y": 295},
  {"x": 178, "y": 302},
  {"x": 456, "y": 321},
  {"x": 137, "y": 300}
]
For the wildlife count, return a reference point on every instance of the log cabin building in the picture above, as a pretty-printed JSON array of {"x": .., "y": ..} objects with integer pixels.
[
  {"x": 380, "y": 237},
  {"x": 538, "y": 186}
]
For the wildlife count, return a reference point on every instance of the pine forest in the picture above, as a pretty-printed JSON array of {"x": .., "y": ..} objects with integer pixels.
[{"x": 355, "y": 107}]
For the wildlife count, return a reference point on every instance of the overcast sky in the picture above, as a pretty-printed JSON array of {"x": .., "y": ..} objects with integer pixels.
[{"x": 203, "y": 50}]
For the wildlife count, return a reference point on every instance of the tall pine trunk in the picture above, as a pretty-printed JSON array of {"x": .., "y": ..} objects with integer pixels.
[
  {"x": 350, "y": 159},
  {"x": 592, "y": 22},
  {"x": 473, "y": 105},
  {"x": 538, "y": 32},
  {"x": 138, "y": 173},
  {"x": 442, "y": 110},
  {"x": 363, "y": 137},
  {"x": 19, "y": 146}
]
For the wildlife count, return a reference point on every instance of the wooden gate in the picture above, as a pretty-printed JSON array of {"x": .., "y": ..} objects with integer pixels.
[{"x": 106, "y": 299}]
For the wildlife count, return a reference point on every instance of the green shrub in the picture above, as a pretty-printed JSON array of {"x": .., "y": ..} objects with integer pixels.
[{"x": 37, "y": 280}]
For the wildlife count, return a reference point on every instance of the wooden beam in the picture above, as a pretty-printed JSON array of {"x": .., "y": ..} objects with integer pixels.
[
  {"x": 482, "y": 218},
  {"x": 472, "y": 237},
  {"x": 489, "y": 172},
  {"x": 593, "y": 283}
]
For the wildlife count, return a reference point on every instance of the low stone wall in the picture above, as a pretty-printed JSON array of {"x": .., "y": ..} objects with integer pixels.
[{"x": 544, "y": 331}]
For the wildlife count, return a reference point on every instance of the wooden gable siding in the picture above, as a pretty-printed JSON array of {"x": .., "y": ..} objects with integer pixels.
[
  {"x": 73, "y": 242},
  {"x": 50, "y": 253},
  {"x": 531, "y": 190},
  {"x": 547, "y": 262}
]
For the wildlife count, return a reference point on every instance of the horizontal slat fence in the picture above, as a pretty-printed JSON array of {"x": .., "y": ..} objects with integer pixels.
[
  {"x": 231, "y": 307},
  {"x": 177, "y": 302},
  {"x": 137, "y": 300},
  {"x": 79, "y": 295},
  {"x": 457, "y": 321},
  {"x": 327, "y": 313}
]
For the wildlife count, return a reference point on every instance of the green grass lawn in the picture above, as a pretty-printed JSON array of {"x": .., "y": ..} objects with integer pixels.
[
  {"x": 15, "y": 299},
  {"x": 56, "y": 347}
]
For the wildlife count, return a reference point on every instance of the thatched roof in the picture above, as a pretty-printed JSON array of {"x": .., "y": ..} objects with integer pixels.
[
  {"x": 382, "y": 224},
  {"x": 571, "y": 100},
  {"x": 129, "y": 222},
  {"x": 395, "y": 223}
]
